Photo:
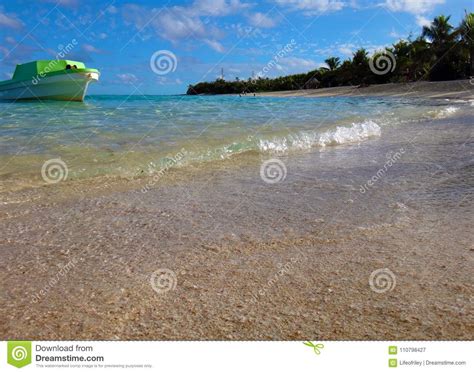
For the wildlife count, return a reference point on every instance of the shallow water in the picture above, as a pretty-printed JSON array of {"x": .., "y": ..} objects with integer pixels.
[
  {"x": 393, "y": 192},
  {"x": 141, "y": 135}
]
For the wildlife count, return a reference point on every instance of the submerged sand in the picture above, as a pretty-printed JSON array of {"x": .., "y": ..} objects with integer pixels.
[
  {"x": 246, "y": 260},
  {"x": 456, "y": 89}
]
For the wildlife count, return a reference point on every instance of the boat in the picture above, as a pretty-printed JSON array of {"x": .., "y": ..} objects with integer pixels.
[{"x": 63, "y": 80}]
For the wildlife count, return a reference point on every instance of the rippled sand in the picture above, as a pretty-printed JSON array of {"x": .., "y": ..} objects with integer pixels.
[{"x": 250, "y": 260}]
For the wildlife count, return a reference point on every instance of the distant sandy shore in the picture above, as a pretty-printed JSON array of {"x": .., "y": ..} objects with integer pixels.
[{"x": 456, "y": 89}]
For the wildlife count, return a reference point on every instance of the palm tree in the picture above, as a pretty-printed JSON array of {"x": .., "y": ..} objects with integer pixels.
[
  {"x": 439, "y": 32},
  {"x": 466, "y": 32},
  {"x": 333, "y": 63},
  {"x": 442, "y": 40},
  {"x": 419, "y": 59},
  {"x": 360, "y": 66},
  {"x": 360, "y": 57}
]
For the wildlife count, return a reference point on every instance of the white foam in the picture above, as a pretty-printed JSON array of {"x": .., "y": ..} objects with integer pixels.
[
  {"x": 303, "y": 140},
  {"x": 273, "y": 146},
  {"x": 446, "y": 112},
  {"x": 356, "y": 132}
]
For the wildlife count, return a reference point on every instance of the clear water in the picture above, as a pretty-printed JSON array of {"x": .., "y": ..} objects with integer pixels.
[
  {"x": 130, "y": 136},
  {"x": 227, "y": 233}
]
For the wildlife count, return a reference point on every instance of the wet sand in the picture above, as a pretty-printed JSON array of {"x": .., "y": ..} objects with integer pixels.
[
  {"x": 251, "y": 260},
  {"x": 457, "y": 89}
]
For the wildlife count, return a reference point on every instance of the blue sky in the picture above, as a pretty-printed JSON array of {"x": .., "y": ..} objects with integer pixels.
[{"x": 270, "y": 38}]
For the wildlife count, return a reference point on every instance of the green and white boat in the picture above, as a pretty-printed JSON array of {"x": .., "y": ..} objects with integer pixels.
[{"x": 49, "y": 80}]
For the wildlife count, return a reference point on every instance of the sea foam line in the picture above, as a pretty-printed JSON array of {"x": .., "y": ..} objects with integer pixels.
[
  {"x": 445, "y": 112},
  {"x": 306, "y": 140}
]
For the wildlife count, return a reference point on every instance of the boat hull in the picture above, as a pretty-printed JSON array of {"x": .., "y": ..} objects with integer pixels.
[{"x": 66, "y": 87}]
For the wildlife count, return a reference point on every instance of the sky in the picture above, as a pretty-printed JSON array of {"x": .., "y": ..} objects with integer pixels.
[{"x": 160, "y": 47}]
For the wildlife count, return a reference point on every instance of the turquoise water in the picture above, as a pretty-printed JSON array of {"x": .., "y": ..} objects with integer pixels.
[{"x": 129, "y": 136}]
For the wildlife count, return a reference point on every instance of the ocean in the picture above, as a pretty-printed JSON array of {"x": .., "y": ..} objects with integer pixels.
[{"x": 130, "y": 136}]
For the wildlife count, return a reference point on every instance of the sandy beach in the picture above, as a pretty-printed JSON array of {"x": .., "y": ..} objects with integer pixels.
[
  {"x": 458, "y": 89},
  {"x": 249, "y": 260}
]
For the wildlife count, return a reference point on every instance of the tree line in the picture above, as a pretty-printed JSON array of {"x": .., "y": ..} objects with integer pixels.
[{"x": 441, "y": 52}]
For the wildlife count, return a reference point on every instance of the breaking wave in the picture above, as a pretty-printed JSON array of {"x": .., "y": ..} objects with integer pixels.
[
  {"x": 354, "y": 133},
  {"x": 445, "y": 112},
  {"x": 300, "y": 141}
]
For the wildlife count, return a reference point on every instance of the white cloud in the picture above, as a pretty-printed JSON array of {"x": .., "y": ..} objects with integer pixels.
[
  {"x": 172, "y": 24},
  {"x": 412, "y": 6},
  {"x": 164, "y": 80},
  {"x": 422, "y": 21},
  {"x": 312, "y": 6},
  {"x": 10, "y": 40},
  {"x": 175, "y": 26},
  {"x": 214, "y": 44},
  {"x": 19, "y": 54},
  {"x": 91, "y": 49},
  {"x": 180, "y": 23},
  {"x": 346, "y": 50},
  {"x": 297, "y": 63},
  {"x": 261, "y": 20},
  {"x": 10, "y": 21},
  {"x": 395, "y": 34},
  {"x": 127, "y": 78},
  {"x": 336, "y": 49},
  {"x": 216, "y": 8},
  {"x": 111, "y": 9}
]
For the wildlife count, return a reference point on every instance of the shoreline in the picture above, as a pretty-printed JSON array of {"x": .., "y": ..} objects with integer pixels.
[
  {"x": 453, "y": 89},
  {"x": 431, "y": 91}
]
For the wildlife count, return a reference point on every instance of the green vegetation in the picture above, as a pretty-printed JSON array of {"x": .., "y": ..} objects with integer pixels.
[{"x": 441, "y": 52}]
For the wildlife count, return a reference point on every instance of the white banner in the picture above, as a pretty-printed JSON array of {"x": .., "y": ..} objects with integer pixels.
[{"x": 313, "y": 356}]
